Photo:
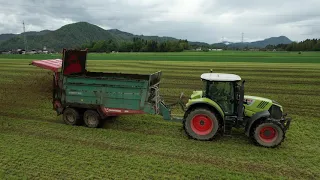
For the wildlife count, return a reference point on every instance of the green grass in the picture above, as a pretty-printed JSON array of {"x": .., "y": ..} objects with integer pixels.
[
  {"x": 36, "y": 144},
  {"x": 224, "y": 56}
]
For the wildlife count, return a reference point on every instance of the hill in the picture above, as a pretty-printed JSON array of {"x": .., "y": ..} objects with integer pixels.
[
  {"x": 4, "y": 37},
  {"x": 271, "y": 41},
  {"x": 257, "y": 44},
  {"x": 70, "y": 36},
  {"x": 76, "y": 34}
]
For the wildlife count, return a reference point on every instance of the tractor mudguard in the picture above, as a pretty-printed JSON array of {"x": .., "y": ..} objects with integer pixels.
[
  {"x": 208, "y": 103},
  {"x": 254, "y": 118}
]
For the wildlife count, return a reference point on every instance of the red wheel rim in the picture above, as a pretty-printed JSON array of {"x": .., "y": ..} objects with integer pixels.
[
  {"x": 201, "y": 124},
  {"x": 268, "y": 134}
]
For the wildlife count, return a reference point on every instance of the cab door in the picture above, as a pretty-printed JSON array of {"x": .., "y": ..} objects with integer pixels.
[{"x": 223, "y": 94}]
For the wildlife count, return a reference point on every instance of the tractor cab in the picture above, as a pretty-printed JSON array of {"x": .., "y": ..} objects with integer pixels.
[{"x": 222, "y": 89}]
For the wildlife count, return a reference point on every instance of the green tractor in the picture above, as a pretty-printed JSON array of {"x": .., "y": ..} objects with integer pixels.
[{"x": 222, "y": 105}]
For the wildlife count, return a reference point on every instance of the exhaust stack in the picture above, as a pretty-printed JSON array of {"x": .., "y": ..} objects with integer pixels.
[{"x": 241, "y": 101}]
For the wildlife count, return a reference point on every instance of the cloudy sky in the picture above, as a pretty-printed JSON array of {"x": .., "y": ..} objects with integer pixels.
[{"x": 196, "y": 20}]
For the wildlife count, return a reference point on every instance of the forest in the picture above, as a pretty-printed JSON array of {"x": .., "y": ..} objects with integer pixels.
[{"x": 137, "y": 45}]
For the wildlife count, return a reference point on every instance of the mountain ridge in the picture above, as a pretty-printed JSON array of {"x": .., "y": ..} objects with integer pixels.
[{"x": 76, "y": 34}]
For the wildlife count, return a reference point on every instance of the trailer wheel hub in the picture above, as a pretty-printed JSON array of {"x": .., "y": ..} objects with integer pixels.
[
  {"x": 201, "y": 124},
  {"x": 268, "y": 134}
]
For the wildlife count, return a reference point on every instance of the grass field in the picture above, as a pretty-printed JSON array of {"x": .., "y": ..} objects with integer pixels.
[
  {"x": 221, "y": 56},
  {"x": 36, "y": 144}
]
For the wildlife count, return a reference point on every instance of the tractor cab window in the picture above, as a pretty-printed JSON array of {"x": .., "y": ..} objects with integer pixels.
[{"x": 223, "y": 94}]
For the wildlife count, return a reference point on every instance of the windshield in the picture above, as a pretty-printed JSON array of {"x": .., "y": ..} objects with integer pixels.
[{"x": 222, "y": 93}]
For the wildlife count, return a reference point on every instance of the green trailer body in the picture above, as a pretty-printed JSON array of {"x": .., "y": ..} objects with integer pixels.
[
  {"x": 113, "y": 93},
  {"x": 109, "y": 94}
]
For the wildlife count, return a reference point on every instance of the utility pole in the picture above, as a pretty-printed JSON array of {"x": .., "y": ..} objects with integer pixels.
[
  {"x": 242, "y": 38},
  {"x": 25, "y": 39}
]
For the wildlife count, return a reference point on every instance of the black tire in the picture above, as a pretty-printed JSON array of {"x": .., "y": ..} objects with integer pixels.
[
  {"x": 201, "y": 124},
  {"x": 91, "y": 118},
  {"x": 268, "y": 134},
  {"x": 71, "y": 116}
]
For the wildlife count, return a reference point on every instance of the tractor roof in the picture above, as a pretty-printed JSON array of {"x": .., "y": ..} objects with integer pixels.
[{"x": 220, "y": 77}]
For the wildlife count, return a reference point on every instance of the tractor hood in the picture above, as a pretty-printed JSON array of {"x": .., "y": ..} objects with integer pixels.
[
  {"x": 255, "y": 104},
  {"x": 251, "y": 99}
]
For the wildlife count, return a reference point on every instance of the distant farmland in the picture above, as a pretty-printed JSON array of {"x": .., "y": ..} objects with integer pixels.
[
  {"x": 223, "y": 56},
  {"x": 35, "y": 144}
]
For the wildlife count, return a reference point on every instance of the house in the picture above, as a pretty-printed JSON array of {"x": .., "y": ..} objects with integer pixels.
[
  {"x": 217, "y": 49},
  {"x": 7, "y": 52}
]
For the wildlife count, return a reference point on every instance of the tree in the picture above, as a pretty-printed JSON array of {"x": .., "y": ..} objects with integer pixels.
[
  {"x": 317, "y": 46},
  {"x": 306, "y": 45},
  {"x": 99, "y": 46},
  {"x": 112, "y": 46},
  {"x": 137, "y": 45}
]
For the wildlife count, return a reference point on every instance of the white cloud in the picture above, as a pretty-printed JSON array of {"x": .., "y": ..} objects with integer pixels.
[{"x": 196, "y": 20}]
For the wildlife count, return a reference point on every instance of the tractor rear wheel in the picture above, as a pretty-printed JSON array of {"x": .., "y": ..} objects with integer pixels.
[
  {"x": 268, "y": 134},
  {"x": 201, "y": 124},
  {"x": 91, "y": 118},
  {"x": 71, "y": 116}
]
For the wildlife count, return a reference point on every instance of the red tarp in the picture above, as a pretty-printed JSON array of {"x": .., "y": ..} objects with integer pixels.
[{"x": 51, "y": 64}]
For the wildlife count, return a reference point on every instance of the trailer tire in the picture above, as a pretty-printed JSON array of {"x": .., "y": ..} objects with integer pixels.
[
  {"x": 91, "y": 118},
  {"x": 201, "y": 124},
  {"x": 71, "y": 116}
]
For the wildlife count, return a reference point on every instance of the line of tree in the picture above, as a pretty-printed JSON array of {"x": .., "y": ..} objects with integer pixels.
[
  {"x": 306, "y": 45},
  {"x": 137, "y": 45},
  {"x": 142, "y": 45}
]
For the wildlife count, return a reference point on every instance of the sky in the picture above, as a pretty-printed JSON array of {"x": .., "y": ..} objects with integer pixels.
[{"x": 208, "y": 21}]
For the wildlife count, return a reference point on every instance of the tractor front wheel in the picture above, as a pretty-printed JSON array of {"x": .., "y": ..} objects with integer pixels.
[
  {"x": 268, "y": 134},
  {"x": 201, "y": 124},
  {"x": 91, "y": 118},
  {"x": 71, "y": 116}
]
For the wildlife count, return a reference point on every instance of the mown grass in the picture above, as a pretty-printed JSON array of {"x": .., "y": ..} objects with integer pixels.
[
  {"x": 223, "y": 56},
  {"x": 35, "y": 144}
]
